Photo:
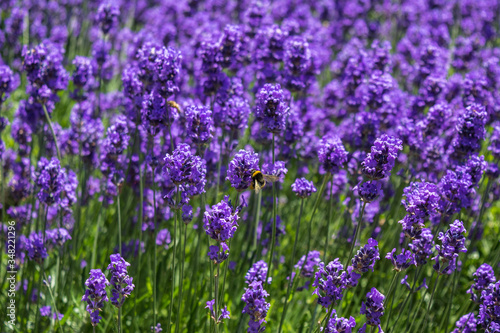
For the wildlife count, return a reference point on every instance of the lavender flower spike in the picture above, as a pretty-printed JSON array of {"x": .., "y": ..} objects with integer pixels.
[
  {"x": 120, "y": 280},
  {"x": 95, "y": 294},
  {"x": 373, "y": 309}
]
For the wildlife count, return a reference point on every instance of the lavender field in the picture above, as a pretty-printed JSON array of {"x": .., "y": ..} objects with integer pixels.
[{"x": 250, "y": 166}]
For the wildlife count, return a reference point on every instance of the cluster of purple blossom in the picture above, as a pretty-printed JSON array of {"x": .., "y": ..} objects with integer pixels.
[{"x": 95, "y": 294}]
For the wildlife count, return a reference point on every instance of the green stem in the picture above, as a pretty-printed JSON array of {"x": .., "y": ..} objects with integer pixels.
[
  {"x": 327, "y": 318},
  {"x": 119, "y": 320},
  {"x": 420, "y": 303},
  {"x": 450, "y": 303},
  {"x": 219, "y": 165},
  {"x": 96, "y": 236},
  {"x": 216, "y": 309},
  {"x": 181, "y": 280},
  {"x": 141, "y": 204},
  {"x": 415, "y": 278},
  {"x": 273, "y": 241},
  {"x": 290, "y": 283},
  {"x": 329, "y": 221},
  {"x": 257, "y": 220},
  {"x": 394, "y": 278},
  {"x": 154, "y": 244},
  {"x": 53, "y": 302},
  {"x": 118, "y": 208},
  {"x": 358, "y": 227},
  {"x": 49, "y": 122},
  {"x": 173, "y": 267}
]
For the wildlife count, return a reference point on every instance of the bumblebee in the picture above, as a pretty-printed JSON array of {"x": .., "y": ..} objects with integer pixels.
[
  {"x": 259, "y": 180},
  {"x": 174, "y": 105}
]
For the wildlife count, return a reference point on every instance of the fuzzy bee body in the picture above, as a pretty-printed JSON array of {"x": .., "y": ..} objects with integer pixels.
[{"x": 259, "y": 180}]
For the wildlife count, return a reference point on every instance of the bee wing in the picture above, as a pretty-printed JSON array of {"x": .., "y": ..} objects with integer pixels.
[{"x": 271, "y": 178}]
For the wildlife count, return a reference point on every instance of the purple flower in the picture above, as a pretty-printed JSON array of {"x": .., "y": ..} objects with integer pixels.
[
  {"x": 187, "y": 214},
  {"x": 95, "y": 294},
  {"x": 153, "y": 112},
  {"x": 186, "y": 170},
  {"x": 224, "y": 312},
  {"x": 475, "y": 167},
  {"x": 339, "y": 324},
  {"x": 470, "y": 130},
  {"x": 83, "y": 76},
  {"x": 256, "y": 306},
  {"x": 278, "y": 169},
  {"x": 373, "y": 308},
  {"x": 216, "y": 255},
  {"x": 45, "y": 311},
  {"x": 271, "y": 109},
  {"x": 107, "y": 16},
  {"x": 369, "y": 191},
  {"x": 57, "y": 236},
  {"x": 167, "y": 64},
  {"x": 456, "y": 187},
  {"x": 421, "y": 246},
  {"x": 366, "y": 257},
  {"x": 303, "y": 188},
  {"x": 163, "y": 238},
  {"x": 401, "y": 261},
  {"x": 120, "y": 280},
  {"x": 330, "y": 282},
  {"x": 494, "y": 145},
  {"x": 307, "y": 268},
  {"x": 453, "y": 242},
  {"x": 257, "y": 272},
  {"x": 466, "y": 324},
  {"x": 332, "y": 154},
  {"x": 488, "y": 308},
  {"x": 483, "y": 277},
  {"x": 8, "y": 82},
  {"x": 36, "y": 248},
  {"x": 241, "y": 169},
  {"x": 157, "y": 328},
  {"x": 199, "y": 124},
  {"x": 421, "y": 199},
  {"x": 380, "y": 161},
  {"x": 221, "y": 221},
  {"x": 50, "y": 179}
]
